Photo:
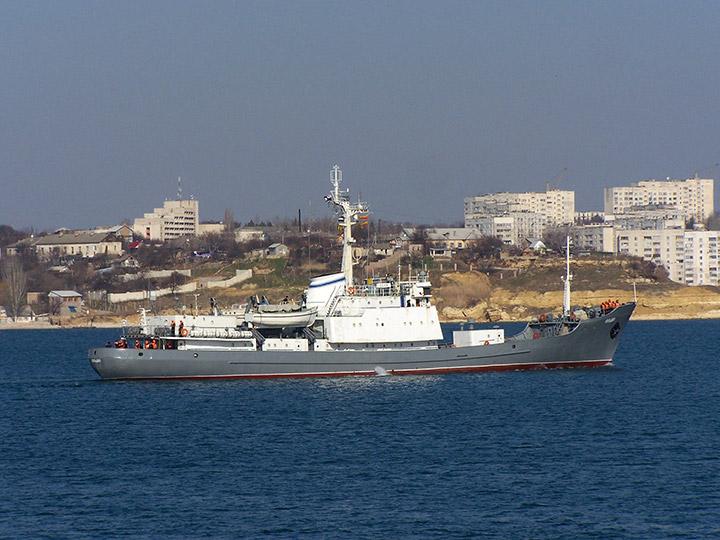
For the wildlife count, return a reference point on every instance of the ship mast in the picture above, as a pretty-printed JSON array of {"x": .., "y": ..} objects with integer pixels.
[
  {"x": 567, "y": 279},
  {"x": 347, "y": 216}
]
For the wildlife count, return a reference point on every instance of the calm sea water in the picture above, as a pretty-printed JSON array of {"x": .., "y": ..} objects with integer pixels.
[{"x": 629, "y": 451}]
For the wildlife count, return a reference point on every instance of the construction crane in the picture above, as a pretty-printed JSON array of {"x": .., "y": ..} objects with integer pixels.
[
  {"x": 557, "y": 182},
  {"x": 708, "y": 173}
]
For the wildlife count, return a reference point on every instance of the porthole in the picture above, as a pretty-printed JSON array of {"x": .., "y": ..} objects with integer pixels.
[
  {"x": 195, "y": 355},
  {"x": 140, "y": 354}
]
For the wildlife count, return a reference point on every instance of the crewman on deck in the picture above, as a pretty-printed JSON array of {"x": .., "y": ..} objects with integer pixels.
[{"x": 172, "y": 327}]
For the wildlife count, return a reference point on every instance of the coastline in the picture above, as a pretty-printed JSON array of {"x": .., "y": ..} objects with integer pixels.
[
  {"x": 502, "y": 305},
  {"x": 45, "y": 325},
  {"x": 75, "y": 325}
]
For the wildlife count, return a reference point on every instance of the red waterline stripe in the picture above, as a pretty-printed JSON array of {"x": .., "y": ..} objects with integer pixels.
[{"x": 428, "y": 371}]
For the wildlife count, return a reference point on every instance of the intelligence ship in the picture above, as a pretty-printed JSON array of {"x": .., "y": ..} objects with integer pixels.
[{"x": 379, "y": 326}]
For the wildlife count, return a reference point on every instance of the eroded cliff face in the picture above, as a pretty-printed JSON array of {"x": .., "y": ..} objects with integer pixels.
[{"x": 484, "y": 301}]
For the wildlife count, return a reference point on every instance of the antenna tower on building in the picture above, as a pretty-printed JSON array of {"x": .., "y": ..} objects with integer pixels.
[{"x": 179, "y": 195}]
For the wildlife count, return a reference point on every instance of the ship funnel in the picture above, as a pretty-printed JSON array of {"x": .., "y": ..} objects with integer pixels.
[{"x": 324, "y": 288}]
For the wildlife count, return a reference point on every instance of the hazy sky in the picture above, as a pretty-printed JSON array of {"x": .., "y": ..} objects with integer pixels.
[{"x": 104, "y": 104}]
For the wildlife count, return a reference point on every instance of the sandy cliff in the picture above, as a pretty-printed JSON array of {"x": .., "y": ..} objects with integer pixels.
[{"x": 483, "y": 300}]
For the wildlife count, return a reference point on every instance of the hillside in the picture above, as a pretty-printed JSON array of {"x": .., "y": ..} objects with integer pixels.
[
  {"x": 517, "y": 293},
  {"x": 511, "y": 290}
]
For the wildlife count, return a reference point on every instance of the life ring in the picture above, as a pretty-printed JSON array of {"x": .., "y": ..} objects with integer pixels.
[
  {"x": 542, "y": 317},
  {"x": 184, "y": 332},
  {"x": 487, "y": 342},
  {"x": 351, "y": 290}
]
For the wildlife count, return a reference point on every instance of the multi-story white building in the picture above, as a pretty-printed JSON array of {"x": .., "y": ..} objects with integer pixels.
[
  {"x": 527, "y": 225},
  {"x": 701, "y": 257},
  {"x": 556, "y": 207},
  {"x": 648, "y": 217},
  {"x": 693, "y": 197},
  {"x": 512, "y": 228},
  {"x": 664, "y": 247},
  {"x": 586, "y": 217},
  {"x": 173, "y": 220},
  {"x": 597, "y": 238}
]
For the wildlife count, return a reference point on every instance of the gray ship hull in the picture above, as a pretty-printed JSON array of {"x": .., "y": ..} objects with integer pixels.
[{"x": 591, "y": 343}]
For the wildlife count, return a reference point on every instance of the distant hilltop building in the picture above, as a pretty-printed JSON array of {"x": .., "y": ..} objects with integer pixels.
[
  {"x": 693, "y": 197},
  {"x": 65, "y": 242},
  {"x": 173, "y": 220},
  {"x": 556, "y": 207},
  {"x": 511, "y": 227},
  {"x": 516, "y": 216}
]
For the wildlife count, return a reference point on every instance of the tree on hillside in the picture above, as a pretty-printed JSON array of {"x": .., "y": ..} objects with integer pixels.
[
  {"x": 713, "y": 223},
  {"x": 8, "y": 235},
  {"x": 15, "y": 286},
  {"x": 420, "y": 236},
  {"x": 555, "y": 238},
  {"x": 485, "y": 247},
  {"x": 158, "y": 255},
  {"x": 641, "y": 268},
  {"x": 229, "y": 222}
]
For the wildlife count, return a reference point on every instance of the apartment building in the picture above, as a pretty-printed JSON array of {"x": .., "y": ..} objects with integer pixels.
[
  {"x": 692, "y": 197},
  {"x": 556, "y": 207},
  {"x": 512, "y": 228},
  {"x": 701, "y": 258},
  {"x": 665, "y": 247},
  {"x": 599, "y": 238},
  {"x": 648, "y": 217},
  {"x": 175, "y": 219}
]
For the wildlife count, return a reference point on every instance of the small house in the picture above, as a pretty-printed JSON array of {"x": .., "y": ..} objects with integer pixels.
[
  {"x": 278, "y": 250},
  {"x": 65, "y": 302}
]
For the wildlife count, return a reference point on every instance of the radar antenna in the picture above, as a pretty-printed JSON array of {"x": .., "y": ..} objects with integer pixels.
[
  {"x": 347, "y": 216},
  {"x": 567, "y": 279}
]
